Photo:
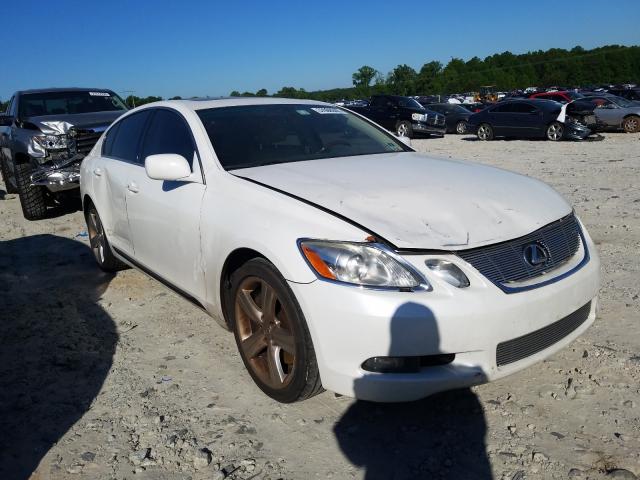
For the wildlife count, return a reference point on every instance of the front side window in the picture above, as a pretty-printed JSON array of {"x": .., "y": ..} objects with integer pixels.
[
  {"x": 505, "y": 108},
  {"x": 127, "y": 137},
  {"x": 168, "y": 133},
  {"x": 255, "y": 135},
  {"x": 524, "y": 108},
  {"x": 69, "y": 103}
]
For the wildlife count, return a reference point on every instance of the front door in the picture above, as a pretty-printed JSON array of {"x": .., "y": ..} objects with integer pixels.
[{"x": 164, "y": 216}]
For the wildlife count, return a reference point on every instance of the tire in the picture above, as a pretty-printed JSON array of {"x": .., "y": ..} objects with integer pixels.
[
  {"x": 404, "y": 129},
  {"x": 100, "y": 244},
  {"x": 485, "y": 132},
  {"x": 461, "y": 127},
  {"x": 555, "y": 131},
  {"x": 275, "y": 346},
  {"x": 32, "y": 199},
  {"x": 630, "y": 125},
  {"x": 5, "y": 177}
]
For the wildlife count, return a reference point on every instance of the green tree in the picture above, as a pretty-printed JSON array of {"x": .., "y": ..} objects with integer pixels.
[
  {"x": 402, "y": 80},
  {"x": 235, "y": 93},
  {"x": 262, "y": 92}
]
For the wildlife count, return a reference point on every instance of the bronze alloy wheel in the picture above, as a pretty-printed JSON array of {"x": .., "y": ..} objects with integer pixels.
[
  {"x": 96, "y": 236},
  {"x": 264, "y": 333}
]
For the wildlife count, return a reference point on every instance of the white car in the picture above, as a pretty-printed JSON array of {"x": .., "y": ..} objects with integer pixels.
[{"x": 338, "y": 256}]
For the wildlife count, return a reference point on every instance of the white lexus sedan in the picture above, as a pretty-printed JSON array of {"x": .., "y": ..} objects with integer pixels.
[{"x": 339, "y": 257}]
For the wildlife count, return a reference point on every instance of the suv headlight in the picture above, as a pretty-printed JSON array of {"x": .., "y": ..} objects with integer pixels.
[
  {"x": 52, "y": 142},
  {"x": 361, "y": 264},
  {"x": 419, "y": 117}
]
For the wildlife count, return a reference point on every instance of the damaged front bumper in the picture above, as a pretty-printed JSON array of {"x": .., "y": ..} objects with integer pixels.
[
  {"x": 57, "y": 155},
  {"x": 576, "y": 131}
]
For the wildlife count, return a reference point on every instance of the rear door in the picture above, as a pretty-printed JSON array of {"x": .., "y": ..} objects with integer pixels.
[
  {"x": 164, "y": 216},
  {"x": 110, "y": 173},
  {"x": 501, "y": 118}
]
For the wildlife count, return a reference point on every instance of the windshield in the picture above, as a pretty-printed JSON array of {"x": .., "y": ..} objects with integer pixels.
[
  {"x": 256, "y": 135},
  {"x": 69, "y": 103},
  {"x": 574, "y": 95},
  {"x": 454, "y": 108},
  {"x": 409, "y": 103}
]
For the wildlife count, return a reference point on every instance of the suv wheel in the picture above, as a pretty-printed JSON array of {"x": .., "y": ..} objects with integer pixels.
[
  {"x": 4, "y": 170},
  {"x": 272, "y": 334},
  {"x": 32, "y": 198},
  {"x": 461, "y": 127},
  {"x": 404, "y": 129}
]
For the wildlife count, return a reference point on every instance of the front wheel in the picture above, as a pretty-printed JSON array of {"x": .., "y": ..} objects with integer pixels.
[
  {"x": 404, "y": 129},
  {"x": 555, "y": 131},
  {"x": 485, "y": 132},
  {"x": 32, "y": 198},
  {"x": 5, "y": 176},
  {"x": 630, "y": 124},
  {"x": 461, "y": 127},
  {"x": 271, "y": 333}
]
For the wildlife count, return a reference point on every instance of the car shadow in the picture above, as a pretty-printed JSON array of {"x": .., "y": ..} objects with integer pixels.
[
  {"x": 2, "y": 194},
  {"x": 442, "y": 436},
  {"x": 57, "y": 345}
]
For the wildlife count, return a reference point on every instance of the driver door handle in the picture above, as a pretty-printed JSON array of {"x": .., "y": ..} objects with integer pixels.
[
  {"x": 97, "y": 172},
  {"x": 133, "y": 188}
]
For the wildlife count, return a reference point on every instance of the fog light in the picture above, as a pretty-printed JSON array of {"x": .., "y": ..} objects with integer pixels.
[
  {"x": 392, "y": 364},
  {"x": 447, "y": 271}
]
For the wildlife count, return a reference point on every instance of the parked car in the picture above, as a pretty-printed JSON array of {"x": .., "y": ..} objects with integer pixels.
[
  {"x": 338, "y": 256},
  {"x": 564, "y": 96},
  {"x": 531, "y": 118},
  {"x": 614, "y": 113},
  {"x": 402, "y": 115},
  {"x": 43, "y": 137},
  {"x": 455, "y": 116}
]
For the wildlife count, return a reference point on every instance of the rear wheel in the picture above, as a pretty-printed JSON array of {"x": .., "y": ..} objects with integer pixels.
[
  {"x": 630, "y": 124},
  {"x": 461, "y": 127},
  {"x": 32, "y": 198},
  {"x": 271, "y": 333},
  {"x": 485, "y": 132},
  {"x": 99, "y": 243},
  {"x": 555, "y": 131},
  {"x": 404, "y": 129}
]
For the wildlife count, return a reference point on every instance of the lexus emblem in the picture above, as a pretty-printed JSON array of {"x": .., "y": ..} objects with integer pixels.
[{"x": 535, "y": 254}]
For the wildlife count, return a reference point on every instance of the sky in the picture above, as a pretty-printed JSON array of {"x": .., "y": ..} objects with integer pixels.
[{"x": 200, "y": 48}]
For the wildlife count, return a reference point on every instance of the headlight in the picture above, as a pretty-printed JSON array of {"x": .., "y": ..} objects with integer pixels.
[
  {"x": 419, "y": 117},
  {"x": 447, "y": 271},
  {"x": 51, "y": 142},
  {"x": 359, "y": 264}
]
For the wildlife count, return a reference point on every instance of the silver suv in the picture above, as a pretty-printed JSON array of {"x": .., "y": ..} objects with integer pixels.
[{"x": 44, "y": 135}]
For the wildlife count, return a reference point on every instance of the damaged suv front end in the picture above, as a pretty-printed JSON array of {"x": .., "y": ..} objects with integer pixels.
[{"x": 44, "y": 136}]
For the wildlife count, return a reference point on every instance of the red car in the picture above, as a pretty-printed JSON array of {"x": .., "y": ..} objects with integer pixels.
[{"x": 561, "y": 96}]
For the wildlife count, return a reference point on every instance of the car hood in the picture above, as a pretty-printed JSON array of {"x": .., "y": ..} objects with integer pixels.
[
  {"x": 415, "y": 201},
  {"x": 60, "y": 124}
]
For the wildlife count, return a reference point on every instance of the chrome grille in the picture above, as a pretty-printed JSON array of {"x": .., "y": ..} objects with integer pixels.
[
  {"x": 85, "y": 140},
  {"x": 534, "y": 342},
  {"x": 504, "y": 263}
]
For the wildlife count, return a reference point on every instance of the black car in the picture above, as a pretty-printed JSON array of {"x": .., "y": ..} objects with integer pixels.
[
  {"x": 632, "y": 94},
  {"x": 402, "y": 115},
  {"x": 525, "y": 119},
  {"x": 455, "y": 116}
]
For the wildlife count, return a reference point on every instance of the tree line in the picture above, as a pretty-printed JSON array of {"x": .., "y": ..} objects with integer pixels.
[{"x": 506, "y": 71}]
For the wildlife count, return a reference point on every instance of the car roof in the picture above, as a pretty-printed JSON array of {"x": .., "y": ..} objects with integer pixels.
[
  {"x": 207, "y": 103},
  {"x": 538, "y": 102},
  {"x": 58, "y": 89}
]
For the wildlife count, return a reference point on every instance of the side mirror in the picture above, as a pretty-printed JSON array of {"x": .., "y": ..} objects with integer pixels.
[
  {"x": 167, "y": 166},
  {"x": 6, "y": 120}
]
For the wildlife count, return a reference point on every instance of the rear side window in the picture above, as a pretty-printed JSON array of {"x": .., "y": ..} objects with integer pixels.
[
  {"x": 524, "y": 108},
  {"x": 506, "y": 108},
  {"x": 168, "y": 133},
  {"x": 127, "y": 138}
]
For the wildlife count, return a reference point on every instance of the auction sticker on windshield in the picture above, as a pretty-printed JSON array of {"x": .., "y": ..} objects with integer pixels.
[
  {"x": 325, "y": 110},
  {"x": 99, "y": 94}
]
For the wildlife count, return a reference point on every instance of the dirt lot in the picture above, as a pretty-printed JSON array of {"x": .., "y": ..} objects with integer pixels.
[{"x": 107, "y": 377}]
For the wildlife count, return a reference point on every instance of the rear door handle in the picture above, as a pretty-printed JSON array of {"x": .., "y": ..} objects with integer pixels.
[
  {"x": 133, "y": 188},
  {"x": 97, "y": 172}
]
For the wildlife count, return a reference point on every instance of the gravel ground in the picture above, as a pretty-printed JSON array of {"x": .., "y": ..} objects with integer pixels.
[{"x": 113, "y": 377}]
